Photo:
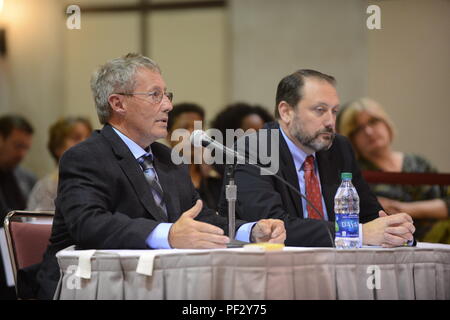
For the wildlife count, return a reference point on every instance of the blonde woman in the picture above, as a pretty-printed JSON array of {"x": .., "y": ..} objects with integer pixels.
[
  {"x": 63, "y": 134},
  {"x": 371, "y": 133}
]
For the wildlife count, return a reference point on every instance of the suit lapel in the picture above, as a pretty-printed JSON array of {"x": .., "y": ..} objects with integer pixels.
[
  {"x": 288, "y": 172},
  {"x": 133, "y": 172},
  {"x": 328, "y": 180}
]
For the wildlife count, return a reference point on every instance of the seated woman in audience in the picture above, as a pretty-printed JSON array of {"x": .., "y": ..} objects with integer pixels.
[
  {"x": 206, "y": 180},
  {"x": 371, "y": 133},
  {"x": 239, "y": 115},
  {"x": 63, "y": 134}
]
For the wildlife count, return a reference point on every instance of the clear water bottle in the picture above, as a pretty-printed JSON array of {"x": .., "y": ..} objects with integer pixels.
[{"x": 346, "y": 207}]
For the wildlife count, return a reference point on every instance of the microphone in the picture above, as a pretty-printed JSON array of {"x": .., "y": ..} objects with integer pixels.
[{"x": 200, "y": 138}]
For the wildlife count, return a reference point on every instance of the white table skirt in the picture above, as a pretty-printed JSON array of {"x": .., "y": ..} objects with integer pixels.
[{"x": 294, "y": 273}]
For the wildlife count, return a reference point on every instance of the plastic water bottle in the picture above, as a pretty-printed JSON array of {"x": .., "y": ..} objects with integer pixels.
[{"x": 346, "y": 207}]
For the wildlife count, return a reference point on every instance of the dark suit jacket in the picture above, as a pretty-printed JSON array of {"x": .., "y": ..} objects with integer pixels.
[
  {"x": 264, "y": 196},
  {"x": 105, "y": 202}
]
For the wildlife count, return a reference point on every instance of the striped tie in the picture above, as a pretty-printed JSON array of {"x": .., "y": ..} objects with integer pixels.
[{"x": 146, "y": 162}]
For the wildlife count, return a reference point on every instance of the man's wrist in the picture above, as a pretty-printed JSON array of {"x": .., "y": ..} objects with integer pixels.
[
  {"x": 159, "y": 237},
  {"x": 245, "y": 232}
]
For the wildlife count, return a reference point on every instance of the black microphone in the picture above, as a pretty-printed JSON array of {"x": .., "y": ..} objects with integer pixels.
[{"x": 200, "y": 138}]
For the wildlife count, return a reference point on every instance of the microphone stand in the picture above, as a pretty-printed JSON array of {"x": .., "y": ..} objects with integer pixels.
[
  {"x": 231, "y": 196},
  {"x": 197, "y": 139}
]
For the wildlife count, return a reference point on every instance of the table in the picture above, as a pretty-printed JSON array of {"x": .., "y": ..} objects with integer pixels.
[{"x": 293, "y": 273}]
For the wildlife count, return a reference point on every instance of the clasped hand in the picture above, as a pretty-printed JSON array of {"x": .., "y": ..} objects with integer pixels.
[{"x": 389, "y": 231}]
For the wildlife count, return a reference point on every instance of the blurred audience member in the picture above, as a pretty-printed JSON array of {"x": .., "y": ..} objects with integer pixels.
[
  {"x": 206, "y": 180},
  {"x": 239, "y": 115},
  {"x": 63, "y": 134},
  {"x": 16, "y": 135},
  {"x": 371, "y": 132},
  {"x": 243, "y": 116}
]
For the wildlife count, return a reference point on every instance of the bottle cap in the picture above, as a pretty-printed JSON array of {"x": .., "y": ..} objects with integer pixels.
[{"x": 346, "y": 176}]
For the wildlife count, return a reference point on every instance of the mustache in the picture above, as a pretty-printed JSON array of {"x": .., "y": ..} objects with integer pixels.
[{"x": 326, "y": 130}]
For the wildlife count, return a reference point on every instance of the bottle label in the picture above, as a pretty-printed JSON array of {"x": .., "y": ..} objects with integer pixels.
[{"x": 347, "y": 225}]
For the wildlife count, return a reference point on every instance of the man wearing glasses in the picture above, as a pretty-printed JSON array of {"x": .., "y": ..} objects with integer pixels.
[{"x": 120, "y": 190}]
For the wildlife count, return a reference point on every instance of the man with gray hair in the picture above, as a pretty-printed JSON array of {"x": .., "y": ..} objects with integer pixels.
[{"x": 119, "y": 189}]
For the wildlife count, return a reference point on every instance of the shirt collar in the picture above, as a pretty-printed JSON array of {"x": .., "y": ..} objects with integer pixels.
[
  {"x": 298, "y": 154},
  {"x": 135, "y": 149}
]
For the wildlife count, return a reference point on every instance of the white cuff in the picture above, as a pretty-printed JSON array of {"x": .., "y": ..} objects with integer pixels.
[{"x": 159, "y": 237}]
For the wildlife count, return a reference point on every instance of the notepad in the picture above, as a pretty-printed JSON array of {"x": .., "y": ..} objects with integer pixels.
[{"x": 264, "y": 246}]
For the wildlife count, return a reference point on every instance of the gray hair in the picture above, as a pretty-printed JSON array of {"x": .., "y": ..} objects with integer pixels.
[{"x": 117, "y": 75}]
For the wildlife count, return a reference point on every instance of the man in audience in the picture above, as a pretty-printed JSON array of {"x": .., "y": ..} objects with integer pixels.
[
  {"x": 119, "y": 188},
  {"x": 16, "y": 135},
  {"x": 312, "y": 157}
]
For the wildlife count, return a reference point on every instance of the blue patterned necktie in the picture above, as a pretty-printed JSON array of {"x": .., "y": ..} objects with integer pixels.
[{"x": 146, "y": 162}]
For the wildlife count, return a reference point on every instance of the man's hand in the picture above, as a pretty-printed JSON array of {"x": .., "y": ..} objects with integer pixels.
[
  {"x": 390, "y": 206},
  {"x": 389, "y": 231},
  {"x": 190, "y": 234},
  {"x": 269, "y": 230}
]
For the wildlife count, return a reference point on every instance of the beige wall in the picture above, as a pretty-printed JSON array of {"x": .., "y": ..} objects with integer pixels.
[
  {"x": 32, "y": 69},
  {"x": 271, "y": 39},
  {"x": 47, "y": 70},
  {"x": 216, "y": 56},
  {"x": 192, "y": 49},
  {"x": 102, "y": 37},
  {"x": 409, "y": 73},
  {"x": 405, "y": 65},
  {"x": 186, "y": 44}
]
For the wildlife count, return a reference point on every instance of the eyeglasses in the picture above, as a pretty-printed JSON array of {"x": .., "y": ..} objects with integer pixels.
[
  {"x": 155, "y": 96},
  {"x": 371, "y": 123}
]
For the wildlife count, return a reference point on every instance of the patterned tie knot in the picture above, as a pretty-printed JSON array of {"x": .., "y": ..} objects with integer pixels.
[
  {"x": 146, "y": 161},
  {"x": 308, "y": 165}
]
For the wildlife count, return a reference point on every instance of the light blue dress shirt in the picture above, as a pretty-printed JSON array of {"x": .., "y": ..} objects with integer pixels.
[
  {"x": 299, "y": 157},
  {"x": 159, "y": 237}
]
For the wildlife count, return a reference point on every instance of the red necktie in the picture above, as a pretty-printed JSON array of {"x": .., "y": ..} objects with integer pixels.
[{"x": 312, "y": 189}]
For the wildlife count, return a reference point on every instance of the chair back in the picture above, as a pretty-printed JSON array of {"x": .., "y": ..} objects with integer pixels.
[
  {"x": 27, "y": 236},
  {"x": 441, "y": 179}
]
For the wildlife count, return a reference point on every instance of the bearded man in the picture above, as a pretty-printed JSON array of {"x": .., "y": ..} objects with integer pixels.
[{"x": 311, "y": 159}]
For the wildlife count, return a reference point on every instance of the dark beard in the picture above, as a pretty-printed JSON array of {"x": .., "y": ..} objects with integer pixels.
[{"x": 312, "y": 142}]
